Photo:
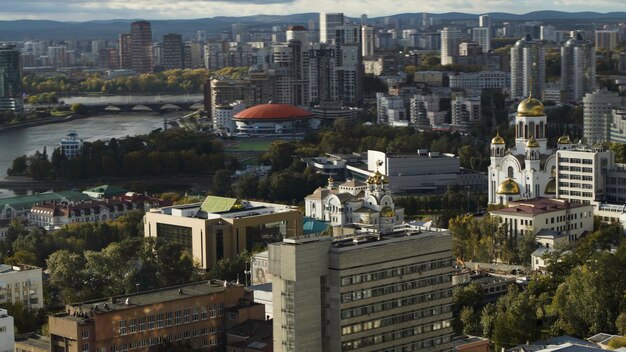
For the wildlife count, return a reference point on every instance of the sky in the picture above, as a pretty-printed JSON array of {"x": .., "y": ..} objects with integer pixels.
[{"x": 86, "y": 10}]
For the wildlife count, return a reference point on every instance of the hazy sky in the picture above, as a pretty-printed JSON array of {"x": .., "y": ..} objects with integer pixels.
[{"x": 84, "y": 10}]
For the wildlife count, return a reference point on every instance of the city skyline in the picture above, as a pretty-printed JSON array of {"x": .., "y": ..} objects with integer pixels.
[{"x": 86, "y": 10}]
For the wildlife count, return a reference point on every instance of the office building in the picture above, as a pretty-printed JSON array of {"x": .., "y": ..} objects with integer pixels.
[
  {"x": 450, "y": 40},
  {"x": 222, "y": 116},
  {"x": 10, "y": 78},
  {"x": 173, "y": 52},
  {"x": 578, "y": 68},
  {"x": 21, "y": 284},
  {"x": 298, "y": 33},
  {"x": 368, "y": 41},
  {"x": 528, "y": 69},
  {"x": 222, "y": 227},
  {"x": 581, "y": 174},
  {"x": 477, "y": 81},
  {"x": 597, "y": 113},
  {"x": 328, "y": 24},
  {"x": 385, "y": 293},
  {"x": 465, "y": 112},
  {"x": 197, "y": 314},
  {"x": 141, "y": 46},
  {"x": 425, "y": 111},
  {"x": 7, "y": 332},
  {"x": 482, "y": 36},
  {"x": 606, "y": 40}
]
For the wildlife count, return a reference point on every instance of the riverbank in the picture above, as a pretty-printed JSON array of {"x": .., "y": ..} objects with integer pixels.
[{"x": 40, "y": 122}]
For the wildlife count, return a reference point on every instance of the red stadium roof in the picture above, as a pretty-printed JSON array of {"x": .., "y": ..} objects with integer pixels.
[{"x": 273, "y": 112}]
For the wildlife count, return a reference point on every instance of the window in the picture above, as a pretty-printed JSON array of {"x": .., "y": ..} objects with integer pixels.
[
  {"x": 196, "y": 314},
  {"x": 86, "y": 347},
  {"x": 160, "y": 320},
  {"x": 151, "y": 322},
  {"x": 84, "y": 334},
  {"x": 178, "y": 317},
  {"x": 133, "y": 326},
  {"x": 204, "y": 314},
  {"x": 169, "y": 321},
  {"x": 142, "y": 324}
]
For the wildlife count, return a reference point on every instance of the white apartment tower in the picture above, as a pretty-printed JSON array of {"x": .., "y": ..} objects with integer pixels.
[
  {"x": 450, "y": 40},
  {"x": 597, "y": 114},
  {"x": 528, "y": 69},
  {"x": 368, "y": 41},
  {"x": 328, "y": 23},
  {"x": 578, "y": 68},
  {"x": 484, "y": 21}
]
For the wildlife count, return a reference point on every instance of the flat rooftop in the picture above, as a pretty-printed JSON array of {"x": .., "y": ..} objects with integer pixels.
[
  {"x": 34, "y": 341},
  {"x": 82, "y": 310},
  {"x": 537, "y": 206}
]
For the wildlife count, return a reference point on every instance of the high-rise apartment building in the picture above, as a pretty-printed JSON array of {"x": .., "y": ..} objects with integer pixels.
[
  {"x": 606, "y": 40},
  {"x": 578, "y": 68},
  {"x": 367, "y": 293},
  {"x": 597, "y": 112},
  {"x": 141, "y": 46},
  {"x": 124, "y": 51},
  {"x": 10, "y": 78},
  {"x": 482, "y": 36},
  {"x": 484, "y": 21},
  {"x": 21, "y": 284},
  {"x": 465, "y": 112},
  {"x": 581, "y": 174},
  {"x": 335, "y": 73},
  {"x": 328, "y": 23},
  {"x": 173, "y": 52},
  {"x": 528, "y": 69},
  {"x": 368, "y": 41},
  {"x": 298, "y": 33},
  {"x": 450, "y": 40}
]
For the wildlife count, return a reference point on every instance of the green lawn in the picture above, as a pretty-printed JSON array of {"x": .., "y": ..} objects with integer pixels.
[{"x": 253, "y": 145}]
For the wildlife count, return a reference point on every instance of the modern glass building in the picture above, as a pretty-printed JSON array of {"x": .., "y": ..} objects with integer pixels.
[{"x": 10, "y": 78}]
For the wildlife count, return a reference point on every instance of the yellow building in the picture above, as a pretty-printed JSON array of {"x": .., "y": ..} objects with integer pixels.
[{"x": 222, "y": 227}]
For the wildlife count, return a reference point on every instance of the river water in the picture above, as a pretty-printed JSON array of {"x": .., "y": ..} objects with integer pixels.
[{"x": 28, "y": 140}]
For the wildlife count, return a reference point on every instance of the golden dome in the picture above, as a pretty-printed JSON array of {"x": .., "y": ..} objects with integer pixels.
[
  {"x": 550, "y": 187},
  {"x": 387, "y": 212},
  {"x": 377, "y": 178},
  {"x": 564, "y": 140},
  {"x": 532, "y": 143},
  {"x": 530, "y": 107},
  {"x": 508, "y": 186},
  {"x": 497, "y": 139}
]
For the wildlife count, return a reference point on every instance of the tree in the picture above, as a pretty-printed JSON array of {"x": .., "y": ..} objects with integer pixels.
[
  {"x": 620, "y": 323},
  {"x": 79, "y": 108},
  {"x": 280, "y": 155},
  {"x": 221, "y": 185},
  {"x": 515, "y": 319},
  {"x": 66, "y": 276}
]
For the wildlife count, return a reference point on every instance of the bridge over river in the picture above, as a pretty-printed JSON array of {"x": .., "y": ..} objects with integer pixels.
[{"x": 139, "y": 103}]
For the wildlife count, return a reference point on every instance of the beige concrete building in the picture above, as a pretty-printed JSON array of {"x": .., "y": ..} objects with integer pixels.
[
  {"x": 390, "y": 292},
  {"x": 197, "y": 314},
  {"x": 222, "y": 227},
  {"x": 21, "y": 284}
]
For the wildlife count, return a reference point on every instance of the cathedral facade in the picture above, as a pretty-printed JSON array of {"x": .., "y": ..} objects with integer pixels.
[{"x": 527, "y": 169}]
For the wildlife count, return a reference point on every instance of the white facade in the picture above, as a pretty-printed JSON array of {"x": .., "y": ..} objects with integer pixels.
[
  {"x": 223, "y": 116},
  {"x": 477, "y": 81},
  {"x": 531, "y": 216},
  {"x": 390, "y": 109},
  {"x": 581, "y": 174},
  {"x": 71, "y": 145},
  {"x": 424, "y": 109},
  {"x": 597, "y": 107},
  {"x": 7, "y": 332},
  {"x": 367, "y": 205},
  {"x": 450, "y": 40},
  {"x": 526, "y": 169},
  {"x": 368, "y": 41},
  {"x": 21, "y": 284}
]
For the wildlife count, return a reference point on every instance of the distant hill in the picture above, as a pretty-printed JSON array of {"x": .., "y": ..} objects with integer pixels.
[{"x": 109, "y": 29}]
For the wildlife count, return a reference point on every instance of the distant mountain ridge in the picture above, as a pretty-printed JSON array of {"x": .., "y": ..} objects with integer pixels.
[{"x": 109, "y": 29}]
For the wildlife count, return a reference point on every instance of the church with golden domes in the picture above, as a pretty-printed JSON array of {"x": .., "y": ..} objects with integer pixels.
[
  {"x": 363, "y": 206},
  {"x": 526, "y": 169}
]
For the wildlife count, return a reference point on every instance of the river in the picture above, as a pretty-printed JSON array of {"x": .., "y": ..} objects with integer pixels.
[{"x": 28, "y": 140}]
